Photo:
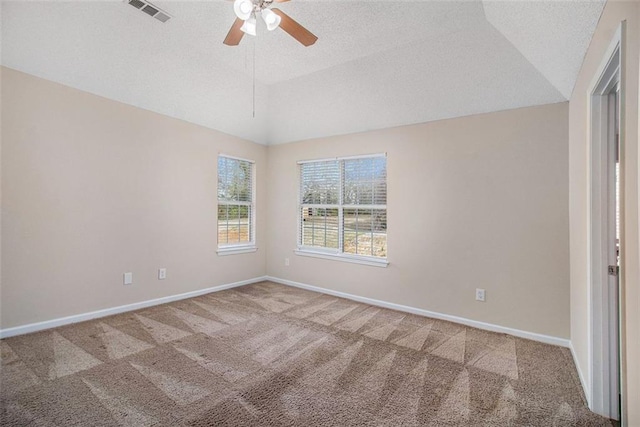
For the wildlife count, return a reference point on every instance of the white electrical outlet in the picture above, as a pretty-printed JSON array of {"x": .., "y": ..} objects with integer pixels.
[
  {"x": 286, "y": 262},
  {"x": 128, "y": 278},
  {"x": 162, "y": 274},
  {"x": 480, "y": 295}
]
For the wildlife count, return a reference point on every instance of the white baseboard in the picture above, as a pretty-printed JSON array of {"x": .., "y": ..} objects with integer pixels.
[
  {"x": 583, "y": 382},
  {"x": 34, "y": 327},
  {"x": 547, "y": 339},
  {"x": 48, "y": 324}
]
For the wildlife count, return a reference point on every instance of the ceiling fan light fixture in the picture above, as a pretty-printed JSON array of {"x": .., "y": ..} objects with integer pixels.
[
  {"x": 271, "y": 19},
  {"x": 243, "y": 9},
  {"x": 249, "y": 26}
]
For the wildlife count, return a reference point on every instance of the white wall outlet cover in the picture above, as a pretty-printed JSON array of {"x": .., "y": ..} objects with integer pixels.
[
  {"x": 286, "y": 262},
  {"x": 162, "y": 274},
  {"x": 480, "y": 294},
  {"x": 128, "y": 278}
]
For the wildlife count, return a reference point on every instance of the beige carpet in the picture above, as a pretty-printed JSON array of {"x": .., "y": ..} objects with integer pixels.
[{"x": 270, "y": 355}]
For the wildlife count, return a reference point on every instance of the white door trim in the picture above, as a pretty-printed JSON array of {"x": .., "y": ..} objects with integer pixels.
[{"x": 602, "y": 379}]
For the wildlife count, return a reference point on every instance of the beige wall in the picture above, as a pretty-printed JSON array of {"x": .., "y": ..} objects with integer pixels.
[
  {"x": 474, "y": 202},
  {"x": 92, "y": 188},
  {"x": 1, "y": 72},
  {"x": 632, "y": 350},
  {"x": 614, "y": 13}
]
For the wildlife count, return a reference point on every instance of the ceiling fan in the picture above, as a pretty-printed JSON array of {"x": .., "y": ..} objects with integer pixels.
[{"x": 247, "y": 12}]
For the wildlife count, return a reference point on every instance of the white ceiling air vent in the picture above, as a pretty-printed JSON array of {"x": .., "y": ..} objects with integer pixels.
[{"x": 150, "y": 9}]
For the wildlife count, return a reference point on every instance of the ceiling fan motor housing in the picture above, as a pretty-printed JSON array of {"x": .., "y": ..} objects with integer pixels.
[
  {"x": 262, "y": 4},
  {"x": 247, "y": 8}
]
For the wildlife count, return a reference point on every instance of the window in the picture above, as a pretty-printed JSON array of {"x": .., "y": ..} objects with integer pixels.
[
  {"x": 236, "y": 206},
  {"x": 343, "y": 209}
]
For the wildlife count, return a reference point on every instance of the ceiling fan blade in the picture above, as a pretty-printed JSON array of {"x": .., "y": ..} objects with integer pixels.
[
  {"x": 294, "y": 29},
  {"x": 235, "y": 34}
]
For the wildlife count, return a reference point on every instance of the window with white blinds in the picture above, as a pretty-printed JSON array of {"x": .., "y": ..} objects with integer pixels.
[
  {"x": 343, "y": 206},
  {"x": 236, "y": 203}
]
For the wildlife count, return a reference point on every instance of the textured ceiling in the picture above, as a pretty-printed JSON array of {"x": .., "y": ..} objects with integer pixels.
[
  {"x": 553, "y": 36},
  {"x": 376, "y": 63}
]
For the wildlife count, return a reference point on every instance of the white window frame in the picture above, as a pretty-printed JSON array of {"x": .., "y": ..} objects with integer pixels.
[
  {"x": 328, "y": 253},
  {"x": 239, "y": 248}
]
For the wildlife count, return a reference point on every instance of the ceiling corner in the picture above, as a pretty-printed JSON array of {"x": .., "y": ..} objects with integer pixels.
[{"x": 553, "y": 36}]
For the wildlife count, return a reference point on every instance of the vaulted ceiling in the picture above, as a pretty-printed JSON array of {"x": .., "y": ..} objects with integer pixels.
[{"x": 376, "y": 64}]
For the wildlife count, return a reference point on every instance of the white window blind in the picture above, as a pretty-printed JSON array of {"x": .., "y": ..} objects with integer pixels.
[
  {"x": 235, "y": 202},
  {"x": 343, "y": 206}
]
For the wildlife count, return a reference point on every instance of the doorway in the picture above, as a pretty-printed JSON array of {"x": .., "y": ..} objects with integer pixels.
[{"x": 605, "y": 237}]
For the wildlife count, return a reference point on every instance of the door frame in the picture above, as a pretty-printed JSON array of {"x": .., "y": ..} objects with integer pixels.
[{"x": 604, "y": 308}]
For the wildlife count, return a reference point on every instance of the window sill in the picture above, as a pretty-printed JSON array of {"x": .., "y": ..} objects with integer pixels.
[
  {"x": 234, "y": 250},
  {"x": 375, "y": 262}
]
